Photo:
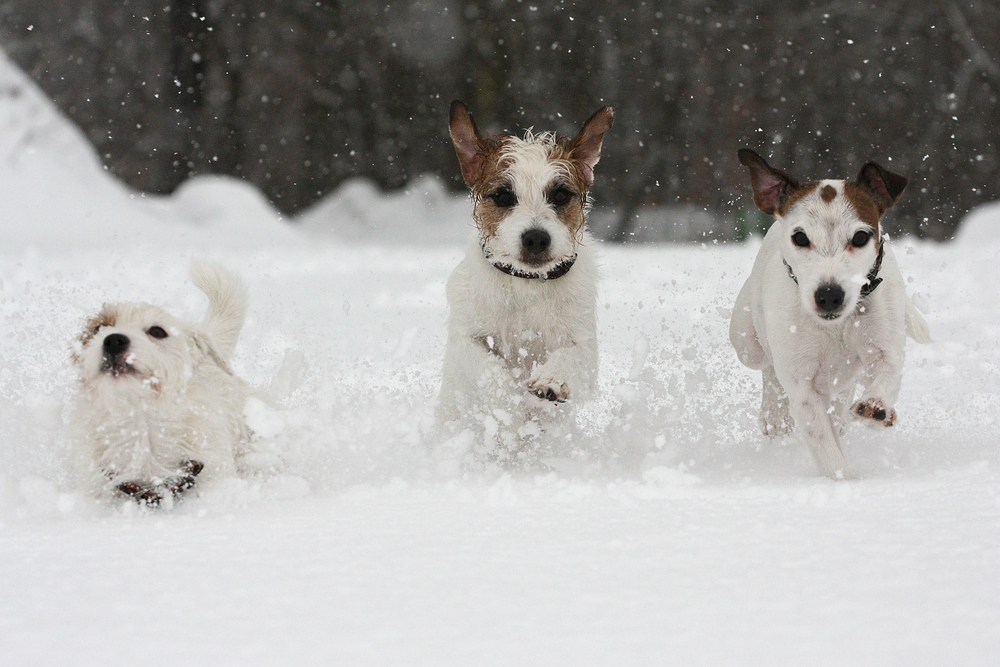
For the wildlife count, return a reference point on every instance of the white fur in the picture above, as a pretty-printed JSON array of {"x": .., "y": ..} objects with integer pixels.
[
  {"x": 811, "y": 366},
  {"x": 181, "y": 402},
  {"x": 510, "y": 338}
]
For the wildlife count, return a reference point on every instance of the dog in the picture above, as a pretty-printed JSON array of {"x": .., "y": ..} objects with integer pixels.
[
  {"x": 522, "y": 326},
  {"x": 824, "y": 307},
  {"x": 159, "y": 407}
]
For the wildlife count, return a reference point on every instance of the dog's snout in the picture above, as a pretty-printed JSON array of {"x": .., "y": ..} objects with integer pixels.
[
  {"x": 536, "y": 241},
  {"x": 829, "y": 298},
  {"x": 116, "y": 344}
]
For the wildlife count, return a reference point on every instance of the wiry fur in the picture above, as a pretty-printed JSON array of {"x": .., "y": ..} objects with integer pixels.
[
  {"x": 176, "y": 399},
  {"x": 811, "y": 365},
  {"x": 520, "y": 344}
]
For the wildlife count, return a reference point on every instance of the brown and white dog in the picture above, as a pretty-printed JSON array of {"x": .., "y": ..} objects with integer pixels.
[
  {"x": 522, "y": 326},
  {"x": 158, "y": 404},
  {"x": 824, "y": 307}
]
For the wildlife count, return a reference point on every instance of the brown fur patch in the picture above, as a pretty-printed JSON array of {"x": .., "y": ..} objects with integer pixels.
[
  {"x": 828, "y": 193},
  {"x": 486, "y": 213},
  {"x": 794, "y": 197},
  {"x": 106, "y": 318},
  {"x": 865, "y": 204}
]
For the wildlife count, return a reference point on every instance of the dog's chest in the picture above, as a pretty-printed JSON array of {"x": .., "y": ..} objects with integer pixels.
[
  {"x": 838, "y": 360},
  {"x": 523, "y": 327},
  {"x": 140, "y": 435}
]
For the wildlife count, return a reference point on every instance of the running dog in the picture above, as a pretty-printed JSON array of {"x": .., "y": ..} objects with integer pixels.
[
  {"x": 824, "y": 308},
  {"x": 522, "y": 325},
  {"x": 158, "y": 404}
]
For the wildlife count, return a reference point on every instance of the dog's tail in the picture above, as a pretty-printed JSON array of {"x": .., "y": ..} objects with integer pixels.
[
  {"x": 227, "y": 304},
  {"x": 916, "y": 325}
]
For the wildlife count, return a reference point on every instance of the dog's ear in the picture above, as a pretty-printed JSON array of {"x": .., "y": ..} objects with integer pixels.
[
  {"x": 771, "y": 186},
  {"x": 885, "y": 185},
  {"x": 586, "y": 146},
  {"x": 469, "y": 145},
  {"x": 203, "y": 342}
]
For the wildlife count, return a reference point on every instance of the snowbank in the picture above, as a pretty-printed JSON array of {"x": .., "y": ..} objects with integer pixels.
[
  {"x": 423, "y": 213},
  {"x": 980, "y": 227}
]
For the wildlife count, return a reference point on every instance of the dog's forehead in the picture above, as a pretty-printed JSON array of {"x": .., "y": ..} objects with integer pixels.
[
  {"x": 140, "y": 314},
  {"x": 828, "y": 204},
  {"x": 530, "y": 163},
  {"x": 535, "y": 162}
]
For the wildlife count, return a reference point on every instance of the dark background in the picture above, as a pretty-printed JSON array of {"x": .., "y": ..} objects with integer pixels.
[{"x": 298, "y": 95}]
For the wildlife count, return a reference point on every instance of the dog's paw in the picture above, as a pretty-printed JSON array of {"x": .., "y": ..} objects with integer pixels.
[
  {"x": 152, "y": 495},
  {"x": 874, "y": 409},
  {"x": 141, "y": 493},
  {"x": 549, "y": 388},
  {"x": 189, "y": 471},
  {"x": 773, "y": 428}
]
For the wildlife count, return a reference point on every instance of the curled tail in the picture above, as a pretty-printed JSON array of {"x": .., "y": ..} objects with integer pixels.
[
  {"x": 227, "y": 304},
  {"x": 916, "y": 325}
]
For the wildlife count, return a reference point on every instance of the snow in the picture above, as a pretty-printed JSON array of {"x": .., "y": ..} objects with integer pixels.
[{"x": 673, "y": 534}]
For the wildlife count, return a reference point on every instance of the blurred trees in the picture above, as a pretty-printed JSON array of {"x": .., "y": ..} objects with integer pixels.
[{"x": 297, "y": 95}]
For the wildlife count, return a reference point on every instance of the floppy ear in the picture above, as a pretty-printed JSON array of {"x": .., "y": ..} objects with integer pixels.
[
  {"x": 771, "y": 186},
  {"x": 885, "y": 185},
  {"x": 467, "y": 140},
  {"x": 203, "y": 342},
  {"x": 586, "y": 146}
]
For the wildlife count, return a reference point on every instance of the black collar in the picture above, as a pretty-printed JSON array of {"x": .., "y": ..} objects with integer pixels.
[
  {"x": 557, "y": 271},
  {"x": 871, "y": 280}
]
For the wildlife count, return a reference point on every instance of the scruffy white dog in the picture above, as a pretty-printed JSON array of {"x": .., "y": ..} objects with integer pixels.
[
  {"x": 522, "y": 327},
  {"x": 158, "y": 404},
  {"x": 824, "y": 307}
]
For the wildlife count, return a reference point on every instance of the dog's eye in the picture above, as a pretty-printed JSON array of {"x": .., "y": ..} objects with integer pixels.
[
  {"x": 861, "y": 238},
  {"x": 800, "y": 239},
  {"x": 560, "y": 196},
  {"x": 504, "y": 197},
  {"x": 157, "y": 332}
]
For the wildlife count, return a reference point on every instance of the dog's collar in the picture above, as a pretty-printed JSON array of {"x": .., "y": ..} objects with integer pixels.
[
  {"x": 871, "y": 280},
  {"x": 557, "y": 271}
]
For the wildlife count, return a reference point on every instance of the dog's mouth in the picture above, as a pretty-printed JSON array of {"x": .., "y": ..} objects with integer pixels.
[
  {"x": 556, "y": 270},
  {"x": 118, "y": 366}
]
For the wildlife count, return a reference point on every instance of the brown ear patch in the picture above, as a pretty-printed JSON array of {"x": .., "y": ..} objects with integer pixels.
[
  {"x": 864, "y": 204},
  {"x": 794, "y": 197},
  {"x": 828, "y": 193},
  {"x": 106, "y": 318}
]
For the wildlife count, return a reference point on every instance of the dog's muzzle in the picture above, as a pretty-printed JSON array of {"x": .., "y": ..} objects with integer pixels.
[
  {"x": 557, "y": 271},
  {"x": 114, "y": 355}
]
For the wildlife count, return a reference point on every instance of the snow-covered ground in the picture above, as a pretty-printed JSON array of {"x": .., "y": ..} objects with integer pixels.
[{"x": 674, "y": 535}]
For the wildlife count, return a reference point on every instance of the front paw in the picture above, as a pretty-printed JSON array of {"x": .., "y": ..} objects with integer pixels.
[
  {"x": 773, "y": 427},
  {"x": 874, "y": 409},
  {"x": 549, "y": 388}
]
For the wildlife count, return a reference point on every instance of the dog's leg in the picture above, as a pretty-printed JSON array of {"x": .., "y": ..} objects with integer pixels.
[
  {"x": 568, "y": 371},
  {"x": 885, "y": 368},
  {"x": 811, "y": 412},
  {"x": 775, "y": 419},
  {"x": 471, "y": 368}
]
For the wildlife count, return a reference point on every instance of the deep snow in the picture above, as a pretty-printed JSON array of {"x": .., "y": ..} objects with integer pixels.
[{"x": 674, "y": 535}]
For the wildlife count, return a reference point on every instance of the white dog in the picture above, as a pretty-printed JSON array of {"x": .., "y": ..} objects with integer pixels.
[
  {"x": 158, "y": 403},
  {"x": 522, "y": 326},
  {"x": 824, "y": 307}
]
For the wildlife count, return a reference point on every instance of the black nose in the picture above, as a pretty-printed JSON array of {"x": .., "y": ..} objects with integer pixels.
[
  {"x": 536, "y": 241},
  {"x": 829, "y": 298},
  {"x": 115, "y": 344}
]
